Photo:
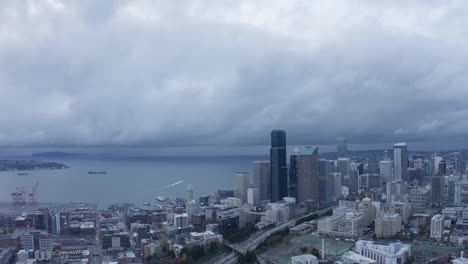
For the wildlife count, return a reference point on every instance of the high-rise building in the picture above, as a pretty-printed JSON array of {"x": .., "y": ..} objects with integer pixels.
[
  {"x": 325, "y": 182},
  {"x": 372, "y": 165},
  {"x": 336, "y": 177},
  {"x": 354, "y": 181},
  {"x": 387, "y": 225},
  {"x": 460, "y": 163},
  {"x": 253, "y": 196},
  {"x": 418, "y": 163},
  {"x": 242, "y": 184},
  {"x": 189, "y": 192},
  {"x": 341, "y": 148},
  {"x": 262, "y": 178},
  {"x": 420, "y": 200},
  {"x": 343, "y": 166},
  {"x": 442, "y": 169},
  {"x": 400, "y": 161},
  {"x": 308, "y": 175},
  {"x": 278, "y": 165},
  {"x": 436, "y": 161},
  {"x": 386, "y": 168},
  {"x": 438, "y": 189},
  {"x": 292, "y": 181}
]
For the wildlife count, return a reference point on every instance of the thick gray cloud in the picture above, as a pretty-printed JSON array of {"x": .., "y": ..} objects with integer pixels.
[{"x": 227, "y": 72}]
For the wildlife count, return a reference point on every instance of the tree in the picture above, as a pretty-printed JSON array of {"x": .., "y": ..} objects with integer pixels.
[
  {"x": 214, "y": 246},
  {"x": 249, "y": 257},
  {"x": 165, "y": 245}
]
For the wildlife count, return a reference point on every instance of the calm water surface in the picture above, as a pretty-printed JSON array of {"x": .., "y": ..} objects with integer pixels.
[{"x": 127, "y": 180}]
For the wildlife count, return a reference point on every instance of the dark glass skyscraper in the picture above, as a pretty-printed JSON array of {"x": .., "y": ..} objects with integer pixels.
[
  {"x": 341, "y": 148},
  {"x": 279, "y": 169},
  {"x": 292, "y": 183}
]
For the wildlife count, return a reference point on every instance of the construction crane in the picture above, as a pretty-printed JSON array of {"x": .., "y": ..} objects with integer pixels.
[{"x": 33, "y": 194}]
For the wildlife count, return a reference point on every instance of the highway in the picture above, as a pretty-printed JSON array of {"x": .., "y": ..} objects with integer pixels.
[{"x": 259, "y": 237}]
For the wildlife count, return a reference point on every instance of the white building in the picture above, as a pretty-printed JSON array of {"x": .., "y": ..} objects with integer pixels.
[
  {"x": 304, "y": 259},
  {"x": 241, "y": 186},
  {"x": 437, "y": 226},
  {"x": 253, "y": 196},
  {"x": 393, "y": 253},
  {"x": 277, "y": 213},
  {"x": 349, "y": 219},
  {"x": 350, "y": 257},
  {"x": 387, "y": 225},
  {"x": 206, "y": 237},
  {"x": 232, "y": 201},
  {"x": 181, "y": 220},
  {"x": 386, "y": 169},
  {"x": 191, "y": 208}
]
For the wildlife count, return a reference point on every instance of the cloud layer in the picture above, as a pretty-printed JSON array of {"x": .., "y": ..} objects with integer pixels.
[{"x": 171, "y": 73}]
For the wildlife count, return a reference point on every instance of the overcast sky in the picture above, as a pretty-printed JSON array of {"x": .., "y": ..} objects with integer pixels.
[{"x": 177, "y": 73}]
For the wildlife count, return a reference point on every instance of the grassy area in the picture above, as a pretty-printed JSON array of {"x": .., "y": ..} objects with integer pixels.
[{"x": 211, "y": 255}]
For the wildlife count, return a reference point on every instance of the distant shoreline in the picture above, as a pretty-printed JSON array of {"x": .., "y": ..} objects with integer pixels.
[{"x": 30, "y": 165}]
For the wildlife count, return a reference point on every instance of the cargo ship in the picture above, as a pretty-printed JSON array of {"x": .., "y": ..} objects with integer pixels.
[{"x": 97, "y": 172}]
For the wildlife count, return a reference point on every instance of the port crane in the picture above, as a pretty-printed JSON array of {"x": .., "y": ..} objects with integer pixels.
[{"x": 21, "y": 195}]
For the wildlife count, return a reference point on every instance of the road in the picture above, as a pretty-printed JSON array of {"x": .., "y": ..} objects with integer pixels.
[
  {"x": 259, "y": 237},
  {"x": 96, "y": 257}
]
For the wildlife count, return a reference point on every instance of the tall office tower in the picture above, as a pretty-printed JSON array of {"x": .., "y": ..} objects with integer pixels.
[
  {"x": 438, "y": 189},
  {"x": 460, "y": 163},
  {"x": 337, "y": 193},
  {"x": 341, "y": 148},
  {"x": 400, "y": 161},
  {"x": 442, "y": 168},
  {"x": 292, "y": 181},
  {"x": 325, "y": 184},
  {"x": 343, "y": 166},
  {"x": 435, "y": 164},
  {"x": 253, "y": 196},
  {"x": 386, "y": 168},
  {"x": 453, "y": 191},
  {"x": 308, "y": 175},
  {"x": 242, "y": 185},
  {"x": 354, "y": 181},
  {"x": 427, "y": 168},
  {"x": 418, "y": 164},
  {"x": 372, "y": 165},
  {"x": 189, "y": 192},
  {"x": 262, "y": 178},
  {"x": 278, "y": 165}
]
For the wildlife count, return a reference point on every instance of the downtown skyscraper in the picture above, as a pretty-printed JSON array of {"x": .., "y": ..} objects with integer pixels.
[
  {"x": 278, "y": 165},
  {"x": 262, "y": 178},
  {"x": 400, "y": 162},
  {"x": 341, "y": 148},
  {"x": 308, "y": 175},
  {"x": 292, "y": 180}
]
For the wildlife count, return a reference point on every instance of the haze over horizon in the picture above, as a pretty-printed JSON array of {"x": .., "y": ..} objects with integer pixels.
[{"x": 169, "y": 74}]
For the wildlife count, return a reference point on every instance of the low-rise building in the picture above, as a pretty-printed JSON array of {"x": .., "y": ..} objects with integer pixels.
[
  {"x": 387, "y": 225},
  {"x": 304, "y": 259},
  {"x": 393, "y": 253},
  {"x": 351, "y": 257}
]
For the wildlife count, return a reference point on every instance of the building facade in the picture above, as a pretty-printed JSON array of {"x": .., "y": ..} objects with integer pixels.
[{"x": 278, "y": 165}]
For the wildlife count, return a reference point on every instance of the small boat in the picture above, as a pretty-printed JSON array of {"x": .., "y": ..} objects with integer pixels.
[
  {"x": 23, "y": 174},
  {"x": 147, "y": 204},
  {"x": 97, "y": 172}
]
